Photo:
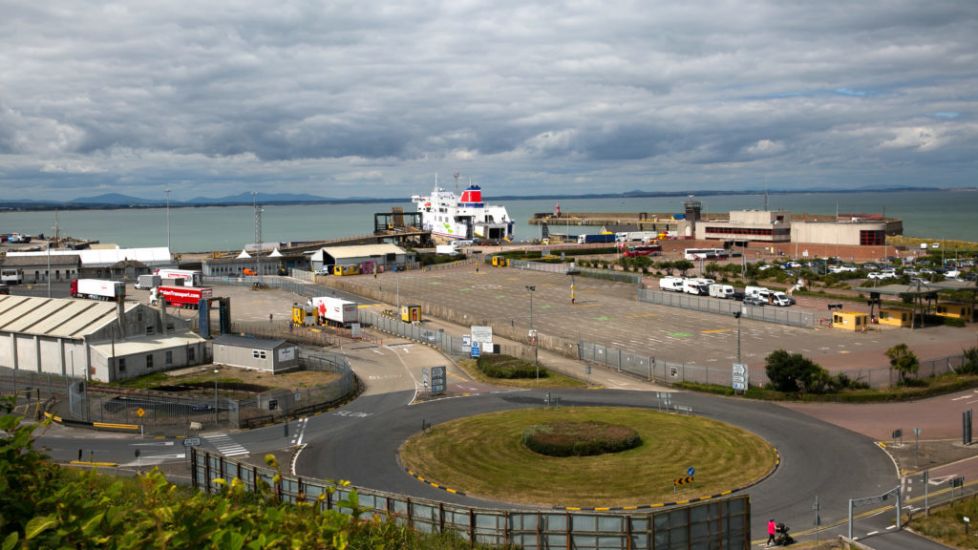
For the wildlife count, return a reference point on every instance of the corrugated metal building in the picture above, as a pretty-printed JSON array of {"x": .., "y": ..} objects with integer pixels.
[
  {"x": 274, "y": 263},
  {"x": 384, "y": 256},
  {"x": 274, "y": 356},
  {"x": 93, "y": 340},
  {"x": 35, "y": 269}
]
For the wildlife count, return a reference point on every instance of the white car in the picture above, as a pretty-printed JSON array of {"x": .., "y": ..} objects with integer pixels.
[{"x": 880, "y": 275}]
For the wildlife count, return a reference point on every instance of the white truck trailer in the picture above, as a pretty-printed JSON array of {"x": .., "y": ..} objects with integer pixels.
[
  {"x": 335, "y": 310},
  {"x": 147, "y": 282},
  {"x": 98, "y": 289}
]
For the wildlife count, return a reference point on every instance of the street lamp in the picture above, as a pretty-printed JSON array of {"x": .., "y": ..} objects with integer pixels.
[
  {"x": 215, "y": 396},
  {"x": 737, "y": 314},
  {"x": 531, "y": 289}
]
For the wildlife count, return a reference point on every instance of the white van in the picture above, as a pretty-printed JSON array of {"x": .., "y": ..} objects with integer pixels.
[
  {"x": 671, "y": 284},
  {"x": 779, "y": 299},
  {"x": 694, "y": 287},
  {"x": 725, "y": 292}
]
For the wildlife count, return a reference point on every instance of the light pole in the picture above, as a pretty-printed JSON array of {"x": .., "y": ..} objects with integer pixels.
[
  {"x": 215, "y": 396},
  {"x": 531, "y": 289},
  {"x": 737, "y": 314},
  {"x": 168, "y": 220}
]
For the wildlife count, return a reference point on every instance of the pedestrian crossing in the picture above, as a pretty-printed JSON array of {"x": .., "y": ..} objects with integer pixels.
[{"x": 225, "y": 445}]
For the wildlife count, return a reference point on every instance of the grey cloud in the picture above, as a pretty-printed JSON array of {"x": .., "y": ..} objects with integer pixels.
[{"x": 621, "y": 95}]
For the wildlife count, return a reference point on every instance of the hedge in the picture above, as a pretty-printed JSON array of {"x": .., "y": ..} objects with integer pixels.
[{"x": 580, "y": 438}]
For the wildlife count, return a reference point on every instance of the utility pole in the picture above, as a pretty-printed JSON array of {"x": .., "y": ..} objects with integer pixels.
[
  {"x": 258, "y": 210},
  {"x": 531, "y": 289}
]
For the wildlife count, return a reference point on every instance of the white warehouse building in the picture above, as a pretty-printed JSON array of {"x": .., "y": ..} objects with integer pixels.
[{"x": 94, "y": 340}]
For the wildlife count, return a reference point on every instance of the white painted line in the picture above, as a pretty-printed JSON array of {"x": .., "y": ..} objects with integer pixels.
[
  {"x": 871, "y": 533},
  {"x": 295, "y": 458},
  {"x": 157, "y": 444},
  {"x": 890, "y": 528},
  {"x": 962, "y": 397},
  {"x": 302, "y": 429}
]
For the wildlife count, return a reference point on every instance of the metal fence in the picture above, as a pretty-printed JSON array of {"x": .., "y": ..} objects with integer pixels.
[
  {"x": 444, "y": 342},
  {"x": 564, "y": 268},
  {"x": 209, "y": 404},
  {"x": 783, "y": 316},
  {"x": 720, "y": 523},
  {"x": 650, "y": 368}
]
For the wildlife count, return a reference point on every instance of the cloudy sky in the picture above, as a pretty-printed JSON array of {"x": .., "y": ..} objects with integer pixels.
[{"x": 367, "y": 98}]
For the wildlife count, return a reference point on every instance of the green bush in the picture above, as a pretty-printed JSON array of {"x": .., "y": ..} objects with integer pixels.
[
  {"x": 904, "y": 361},
  {"x": 505, "y": 366},
  {"x": 791, "y": 372},
  {"x": 970, "y": 365},
  {"x": 580, "y": 438},
  {"x": 45, "y": 506}
]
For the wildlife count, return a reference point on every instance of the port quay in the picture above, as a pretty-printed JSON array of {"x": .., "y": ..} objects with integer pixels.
[{"x": 299, "y": 348}]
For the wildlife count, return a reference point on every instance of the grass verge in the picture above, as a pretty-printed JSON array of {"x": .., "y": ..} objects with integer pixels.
[
  {"x": 945, "y": 523},
  {"x": 940, "y": 385},
  {"x": 485, "y": 457},
  {"x": 553, "y": 379}
]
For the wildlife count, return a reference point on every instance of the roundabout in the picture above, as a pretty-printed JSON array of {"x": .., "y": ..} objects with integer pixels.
[{"x": 487, "y": 456}]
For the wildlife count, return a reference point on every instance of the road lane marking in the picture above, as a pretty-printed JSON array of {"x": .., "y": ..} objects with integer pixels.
[{"x": 225, "y": 445}]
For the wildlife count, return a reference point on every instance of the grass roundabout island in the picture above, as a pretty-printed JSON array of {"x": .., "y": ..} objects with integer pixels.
[{"x": 487, "y": 456}]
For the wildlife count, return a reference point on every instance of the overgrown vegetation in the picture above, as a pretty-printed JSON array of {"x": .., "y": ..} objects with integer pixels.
[
  {"x": 939, "y": 385},
  {"x": 793, "y": 373},
  {"x": 509, "y": 367},
  {"x": 45, "y": 506},
  {"x": 586, "y": 438},
  {"x": 904, "y": 362},
  {"x": 946, "y": 523}
]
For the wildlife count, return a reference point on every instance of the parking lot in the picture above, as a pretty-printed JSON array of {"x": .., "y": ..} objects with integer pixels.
[{"x": 608, "y": 313}]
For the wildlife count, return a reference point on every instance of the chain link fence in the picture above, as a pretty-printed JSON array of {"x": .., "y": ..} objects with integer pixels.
[
  {"x": 716, "y": 523},
  {"x": 783, "y": 316}
]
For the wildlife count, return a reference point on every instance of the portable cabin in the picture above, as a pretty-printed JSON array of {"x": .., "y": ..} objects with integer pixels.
[
  {"x": 850, "y": 320},
  {"x": 894, "y": 317},
  {"x": 411, "y": 314},
  {"x": 955, "y": 311}
]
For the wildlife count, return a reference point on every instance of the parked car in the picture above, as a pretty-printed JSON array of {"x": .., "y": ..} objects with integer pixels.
[{"x": 754, "y": 301}]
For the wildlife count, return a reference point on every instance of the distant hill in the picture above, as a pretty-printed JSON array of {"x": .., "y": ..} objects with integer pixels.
[
  {"x": 263, "y": 198},
  {"x": 115, "y": 199}
]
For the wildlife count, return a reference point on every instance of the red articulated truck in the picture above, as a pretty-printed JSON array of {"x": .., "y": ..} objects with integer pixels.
[{"x": 180, "y": 296}]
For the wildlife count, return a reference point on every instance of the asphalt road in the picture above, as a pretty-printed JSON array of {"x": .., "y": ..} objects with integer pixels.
[
  {"x": 817, "y": 458},
  {"x": 359, "y": 441}
]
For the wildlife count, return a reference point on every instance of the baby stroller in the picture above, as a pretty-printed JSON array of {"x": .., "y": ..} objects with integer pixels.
[{"x": 781, "y": 536}]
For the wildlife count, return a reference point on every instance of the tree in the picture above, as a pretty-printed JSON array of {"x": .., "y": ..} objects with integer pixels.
[
  {"x": 904, "y": 361},
  {"x": 683, "y": 266},
  {"x": 793, "y": 373}
]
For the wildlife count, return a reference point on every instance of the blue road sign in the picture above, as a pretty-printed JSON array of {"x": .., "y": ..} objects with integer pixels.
[
  {"x": 476, "y": 351},
  {"x": 690, "y": 471}
]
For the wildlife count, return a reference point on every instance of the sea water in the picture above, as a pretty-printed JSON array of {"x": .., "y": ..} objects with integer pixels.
[{"x": 932, "y": 214}]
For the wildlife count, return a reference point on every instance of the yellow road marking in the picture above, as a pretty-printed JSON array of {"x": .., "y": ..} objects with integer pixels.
[{"x": 716, "y": 331}]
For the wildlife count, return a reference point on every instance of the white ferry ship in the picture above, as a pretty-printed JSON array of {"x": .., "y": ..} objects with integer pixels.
[{"x": 450, "y": 217}]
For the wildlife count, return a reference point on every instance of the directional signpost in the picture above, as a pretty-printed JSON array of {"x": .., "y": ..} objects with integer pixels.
[
  {"x": 739, "y": 377},
  {"x": 438, "y": 383}
]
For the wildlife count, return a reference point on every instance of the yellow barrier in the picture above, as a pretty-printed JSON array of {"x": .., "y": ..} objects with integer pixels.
[{"x": 111, "y": 426}]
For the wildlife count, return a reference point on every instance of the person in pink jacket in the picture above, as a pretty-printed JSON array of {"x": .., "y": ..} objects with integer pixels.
[{"x": 771, "y": 530}]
